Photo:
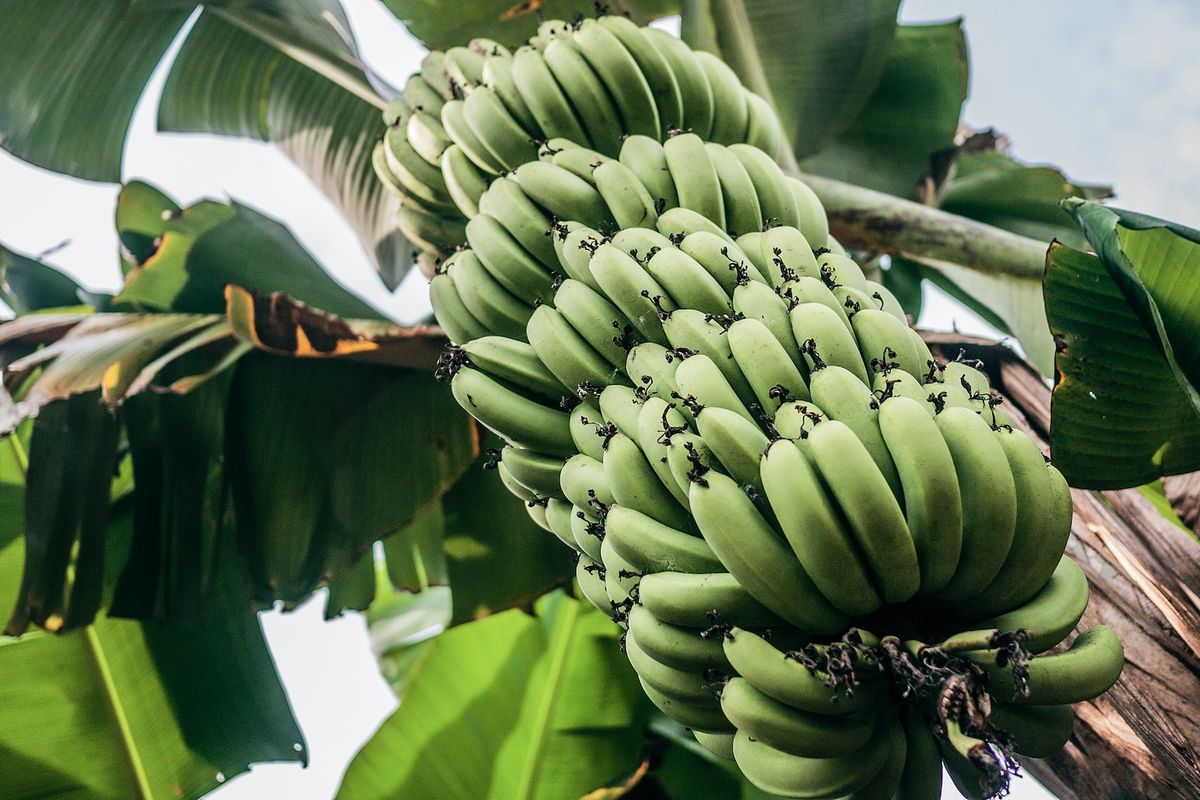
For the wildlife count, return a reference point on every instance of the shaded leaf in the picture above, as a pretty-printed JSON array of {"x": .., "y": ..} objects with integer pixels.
[
  {"x": 324, "y": 458},
  {"x": 912, "y": 113},
  {"x": 498, "y": 557},
  {"x": 817, "y": 61},
  {"x": 903, "y": 279},
  {"x": 81, "y": 714},
  {"x": 512, "y": 706},
  {"x": 27, "y": 284},
  {"x": 509, "y": 22},
  {"x": 72, "y": 77},
  {"x": 289, "y": 73},
  {"x": 1121, "y": 416}
]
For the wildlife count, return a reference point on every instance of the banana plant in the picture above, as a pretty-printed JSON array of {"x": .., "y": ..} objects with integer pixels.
[{"x": 234, "y": 428}]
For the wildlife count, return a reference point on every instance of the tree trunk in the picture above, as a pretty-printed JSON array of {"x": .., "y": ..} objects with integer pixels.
[{"x": 1141, "y": 739}]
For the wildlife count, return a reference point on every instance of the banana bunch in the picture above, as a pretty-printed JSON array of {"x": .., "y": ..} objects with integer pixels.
[
  {"x": 482, "y": 112},
  {"x": 835, "y": 558}
]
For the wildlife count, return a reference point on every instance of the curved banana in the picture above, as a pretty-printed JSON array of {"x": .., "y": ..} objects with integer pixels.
[
  {"x": 582, "y": 481},
  {"x": 687, "y": 282},
  {"x": 419, "y": 95},
  {"x": 536, "y": 472},
  {"x": 695, "y": 177},
  {"x": 589, "y": 574},
  {"x": 598, "y": 321},
  {"x": 869, "y": 507},
  {"x": 562, "y": 194},
  {"x": 795, "y": 420},
  {"x": 742, "y": 211},
  {"x": 454, "y": 121},
  {"x": 724, "y": 261},
  {"x": 763, "y": 129},
  {"x": 922, "y": 775},
  {"x": 884, "y": 342},
  {"x": 573, "y": 244},
  {"x": 628, "y": 200},
  {"x": 635, "y": 485},
  {"x": 678, "y": 647},
  {"x": 427, "y": 136},
  {"x": 658, "y": 421},
  {"x": 1051, "y": 615},
  {"x": 622, "y": 407},
  {"x": 695, "y": 94},
  {"x": 789, "y": 254},
  {"x": 503, "y": 137},
  {"x": 812, "y": 222},
  {"x": 652, "y": 547},
  {"x": 766, "y": 365},
  {"x": 1087, "y": 669},
  {"x": 587, "y": 94},
  {"x": 699, "y": 600},
  {"x": 507, "y": 203},
  {"x": 754, "y": 554},
  {"x": 840, "y": 395},
  {"x": 507, "y": 261},
  {"x": 700, "y": 382},
  {"x": 696, "y": 331},
  {"x": 932, "y": 499},
  {"x": 497, "y": 76},
  {"x": 514, "y": 361},
  {"x": 825, "y": 341},
  {"x": 730, "y": 112},
  {"x": 586, "y": 422},
  {"x": 676, "y": 223},
  {"x": 518, "y": 419},
  {"x": 558, "y": 519},
  {"x": 588, "y": 533},
  {"x": 655, "y": 69},
  {"x": 989, "y": 501},
  {"x": 737, "y": 444},
  {"x": 810, "y": 523},
  {"x": 786, "y": 728},
  {"x": 755, "y": 300},
  {"x": 774, "y": 194},
  {"x": 719, "y": 744},
  {"x": 486, "y": 299},
  {"x": 632, "y": 290},
  {"x": 565, "y": 353},
  {"x": 1044, "y": 556},
  {"x": 698, "y": 716},
  {"x": 1037, "y": 731},
  {"x": 544, "y": 97},
  {"x": 458, "y": 323},
  {"x": 619, "y": 71},
  {"x": 464, "y": 181},
  {"x": 652, "y": 368}
]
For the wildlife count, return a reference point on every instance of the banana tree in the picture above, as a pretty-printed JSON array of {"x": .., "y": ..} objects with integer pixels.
[{"x": 234, "y": 429}]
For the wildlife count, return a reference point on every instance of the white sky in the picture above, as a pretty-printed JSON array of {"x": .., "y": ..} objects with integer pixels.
[{"x": 1108, "y": 90}]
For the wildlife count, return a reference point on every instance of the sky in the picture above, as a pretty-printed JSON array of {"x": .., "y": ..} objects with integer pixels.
[{"x": 1107, "y": 90}]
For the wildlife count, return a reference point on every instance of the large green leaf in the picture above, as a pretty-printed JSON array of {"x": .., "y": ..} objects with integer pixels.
[
  {"x": 912, "y": 113},
  {"x": 509, "y": 22},
  {"x": 288, "y": 73},
  {"x": 498, "y": 557},
  {"x": 324, "y": 458},
  {"x": 72, "y": 75},
  {"x": 817, "y": 61},
  {"x": 513, "y": 707},
  {"x": 1126, "y": 408},
  {"x": 127, "y": 710}
]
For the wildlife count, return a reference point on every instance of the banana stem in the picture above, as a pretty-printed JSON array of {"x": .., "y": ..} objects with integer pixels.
[{"x": 869, "y": 220}]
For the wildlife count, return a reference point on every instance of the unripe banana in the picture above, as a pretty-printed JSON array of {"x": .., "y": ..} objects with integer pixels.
[
  {"x": 632, "y": 290},
  {"x": 590, "y": 576},
  {"x": 652, "y": 368},
  {"x": 598, "y": 321},
  {"x": 689, "y": 329},
  {"x": 507, "y": 261},
  {"x": 562, "y": 194},
  {"x": 458, "y": 323},
  {"x": 766, "y": 365},
  {"x": 839, "y": 394},
  {"x": 719, "y": 744},
  {"x": 751, "y": 244},
  {"x": 932, "y": 500},
  {"x": 785, "y": 728},
  {"x": 486, "y": 299},
  {"x": 428, "y": 231},
  {"x": 677, "y": 223},
  {"x": 755, "y": 300},
  {"x": 558, "y": 518},
  {"x": 514, "y": 361},
  {"x": 653, "y": 547},
  {"x": 736, "y": 443},
  {"x": 775, "y": 196},
  {"x": 884, "y": 343},
  {"x": 1037, "y": 731},
  {"x": 702, "y": 600},
  {"x": 628, "y": 200},
  {"x": 839, "y": 270},
  {"x": 701, "y": 382},
  {"x": 420, "y": 96},
  {"x": 587, "y": 94},
  {"x": 686, "y": 453},
  {"x": 654, "y": 68},
  {"x": 518, "y": 419},
  {"x": 812, "y": 220},
  {"x": 427, "y": 136},
  {"x": 589, "y": 534},
  {"x": 505, "y": 140},
  {"x": 825, "y": 341},
  {"x": 583, "y": 482},
  {"x": 657, "y": 422},
  {"x": 622, "y": 407},
  {"x": 454, "y": 120},
  {"x": 693, "y": 687},
  {"x": 1088, "y": 669},
  {"x": 731, "y": 114},
  {"x": 989, "y": 499},
  {"x": 567, "y": 354},
  {"x": 695, "y": 94},
  {"x": 586, "y": 420},
  {"x": 536, "y": 472},
  {"x": 813, "y": 290},
  {"x": 464, "y": 67},
  {"x": 762, "y": 128},
  {"x": 694, "y": 715},
  {"x": 645, "y": 157},
  {"x": 1053, "y": 612},
  {"x": 922, "y": 776},
  {"x": 789, "y": 255},
  {"x": 742, "y": 211},
  {"x": 640, "y": 243},
  {"x": 635, "y": 486},
  {"x": 464, "y": 181},
  {"x": 887, "y": 302},
  {"x": 678, "y": 647},
  {"x": 689, "y": 284},
  {"x": 795, "y": 421},
  {"x": 809, "y": 520},
  {"x": 695, "y": 177},
  {"x": 579, "y": 161},
  {"x": 505, "y": 201},
  {"x": 497, "y": 76},
  {"x": 619, "y": 71},
  {"x": 887, "y": 781},
  {"x": 756, "y": 556},
  {"x": 898, "y": 383},
  {"x": 1044, "y": 557},
  {"x": 724, "y": 261},
  {"x": 543, "y": 96},
  {"x": 574, "y": 243},
  {"x": 620, "y": 580}
]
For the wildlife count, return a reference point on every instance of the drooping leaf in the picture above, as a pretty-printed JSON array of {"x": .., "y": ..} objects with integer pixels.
[
  {"x": 202, "y": 249},
  {"x": 1121, "y": 416},
  {"x": 27, "y": 284},
  {"x": 498, "y": 557},
  {"x": 912, "y": 113},
  {"x": 323, "y": 458},
  {"x": 82, "y": 713},
  {"x": 289, "y": 73},
  {"x": 512, "y": 706},
  {"x": 509, "y": 22},
  {"x": 817, "y": 61},
  {"x": 72, "y": 75}
]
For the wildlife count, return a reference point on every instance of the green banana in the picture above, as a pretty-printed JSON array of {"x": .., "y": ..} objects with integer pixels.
[
  {"x": 825, "y": 341},
  {"x": 898, "y": 383},
  {"x": 700, "y": 382},
  {"x": 932, "y": 499},
  {"x": 774, "y": 194},
  {"x": 652, "y": 547},
  {"x": 590, "y": 576},
  {"x": 505, "y": 140},
  {"x": 689, "y": 329},
  {"x": 812, "y": 221},
  {"x": 869, "y": 507},
  {"x": 652, "y": 368},
  {"x": 766, "y": 365},
  {"x": 887, "y": 302},
  {"x": 544, "y": 98},
  {"x": 989, "y": 501},
  {"x": 735, "y": 443},
  {"x": 514, "y": 361},
  {"x": 755, "y": 300},
  {"x": 454, "y": 121},
  {"x": 621, "y": 406},
  {"x": 700, "y": 600},
  {"x": 742, "y": 211},
  {"x": 586, "y": 420},
  {"x": 427, "y": 136},
  {"x": 628, "y": 200},
  {"x": 655, "y": 69},
  {"x": 751, "y": 244},
  {"x": 587, "y": 94},
  {"x": 598, "y": 321},
  {"x": 565, "y": 353},
  {"x": 730, "y": 112},
  {"x": 582, "y": 480},
  {"x": 464, "y": 181},
  {"x": 695, "y": 94},
  {"x": 839, "y": 270},
  {"x": 1045, "y": 553},
  {"x": 640, "y": 243},
  {"x": 645, "y": 158},
  {"x": 795, "y": 421},
  {"x": 883, "y": 342},
  {"x": 691, "y": 685},
  {"x": 786, "y": 679},
  {"x": 796, "y": 776},
  {"x": 505, "y": 202},
  {"x": 433, "y": 70},
  {"x": 810, "y": 523},
  {"x": 687, "y": 282},
  {"x": 719, "y": 744},
  {"x": 632, "y": 290},
  {"x": 620, "y": 580},
  {"x": 518, "y": 419},
  {"x": 1051, "y": 615},
  {"x": 417, "y": 176},
  {"x": 790, "y": 730},
  {"x": 486, "y": 299},
  {"x": 536, "y": 472},
  {"x": 678, "y": 647},
  {"x": 755, "y": 555},
  {"x": 687, "y": 452},
  {"x": 697, "y": 716},
  {"x": 1037, "y": 731},
  {"x": 789, "y": 255},
  {"x": 696, "y": 182},
  {"x": 562, "y": 194},
  {"x": 619, "y": 71},
  {"x": 922, "y": 775},
  {"x": 724, "y": 261},
  {"x": 458, "y": 323},
  {"x": 1087, "y": 669},
  {"x": 420, "y": 96},
  {"x": 579, "y": 161},
  {"x": 658, "y": 421},
  {"x": 429, "y": 231},
  {"x": 635, "y": 485},
  {"x": 887, "y": 781},
  {"x": 497, "y": 76},
  {"x": 464, "y": 67},
  {"x": 763, "y": 129},
  {"x": 558, "y": 518},
  {"x": 840, "y": 395},
  {"x": 573, "y": 245},
  {"x": 507, "y": 261},
  {"x": 588, "y": 534},
  {"x": 676, "y": 223},
  {"x": 812, "y": 290}
]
